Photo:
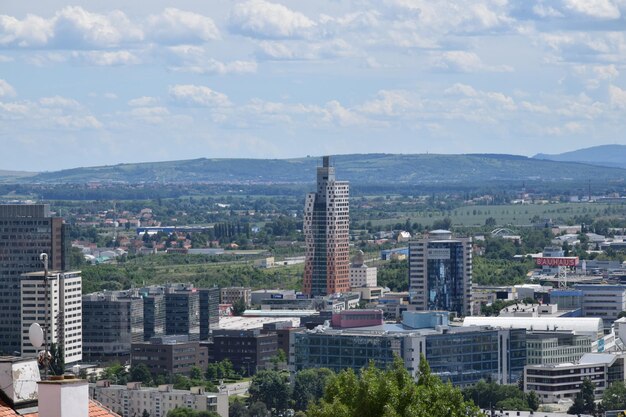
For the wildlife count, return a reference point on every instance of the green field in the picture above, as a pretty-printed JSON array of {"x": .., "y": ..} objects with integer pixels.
[{"x": 512, "y": 214}]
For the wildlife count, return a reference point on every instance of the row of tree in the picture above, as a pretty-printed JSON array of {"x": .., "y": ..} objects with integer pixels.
[{"x": 374, "y": 392}]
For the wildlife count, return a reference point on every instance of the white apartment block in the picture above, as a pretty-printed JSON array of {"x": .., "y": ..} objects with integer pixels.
[
  {"x": 132, "y": 399},
  {"x": 64, "y": 311},
  {"x": 363, "y": 276},
  {"x": 554, "y": 383}
]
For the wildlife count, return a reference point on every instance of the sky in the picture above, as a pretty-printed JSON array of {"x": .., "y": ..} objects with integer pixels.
[{"x": 92, "y": 82}]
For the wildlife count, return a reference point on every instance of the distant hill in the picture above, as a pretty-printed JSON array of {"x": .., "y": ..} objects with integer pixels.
[
  {"x": 11, "y": 176},
  {"x": 603, "y": 155},
  {"x": 415, "y": 169}
]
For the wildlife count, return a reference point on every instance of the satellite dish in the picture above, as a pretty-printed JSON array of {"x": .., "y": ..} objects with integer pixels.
[{"x": 35, "y": 335}]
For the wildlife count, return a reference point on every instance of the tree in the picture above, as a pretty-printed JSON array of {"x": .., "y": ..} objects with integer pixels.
[
  {"x": 391, "y": 392},
  {"x": 309, "y": 386},
  {"x": 614, "y": 397},
  {"x": 195, "y": 373},
  {"x": 239, "y": 307},
  {"x": 258, "y": 409},
  {"x": 145, "y": 413},
  {"x": 271, "y": 388},
  {"x": 188, "y": 412},
  {"x": 141, "y": 373},
  {"x": 237, "y": 409},
  {"x": 584, "y": 401},
  {"x": 533, "y": 400}
]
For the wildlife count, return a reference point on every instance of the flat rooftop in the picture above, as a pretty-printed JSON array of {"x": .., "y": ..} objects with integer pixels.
[{"x": 250, "y": 323}]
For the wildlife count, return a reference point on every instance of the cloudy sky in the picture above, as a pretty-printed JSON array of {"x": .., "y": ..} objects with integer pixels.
[{"x": 94, "y": 82}]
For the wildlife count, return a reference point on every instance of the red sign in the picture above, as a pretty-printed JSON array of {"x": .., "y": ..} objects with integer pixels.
[{"x": 562, "y": 261}]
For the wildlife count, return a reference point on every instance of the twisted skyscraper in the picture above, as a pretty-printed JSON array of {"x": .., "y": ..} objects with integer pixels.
[{"x": 326, "y": 232}]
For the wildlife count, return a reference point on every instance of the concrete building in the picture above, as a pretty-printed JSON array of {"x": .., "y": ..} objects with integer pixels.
[
  {"x": 112, "y": 321},
  {"x": 26, "y": 231},
  {"x": 326, "y": 232},
  {"x": 132, "y": 399},
  {"x": 169, "y": 355},
  {"x": 440, "y": 273},
  {"x": 550, "y": 348},
  {"x": 604, "y": 301},
  {"x": 362, "y": 275},
  {"x": 554, "y": 383},
  {"x": 231, "y": 295},
  {"x": 63, "y": 309},
  {"x": 357, "y": 318},
  {"x": 248, "y": 350}
]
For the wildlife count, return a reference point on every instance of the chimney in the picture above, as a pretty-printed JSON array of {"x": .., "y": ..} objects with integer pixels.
[
  {"x": 64, "y": 398},
  {"x": 18, "y": 381}
]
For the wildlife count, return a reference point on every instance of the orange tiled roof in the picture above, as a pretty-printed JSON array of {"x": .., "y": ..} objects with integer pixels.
[{"x": 95, "y": 410}]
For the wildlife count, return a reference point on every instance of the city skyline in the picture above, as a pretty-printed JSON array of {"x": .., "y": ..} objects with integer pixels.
[{"x": 92, "y": 84}]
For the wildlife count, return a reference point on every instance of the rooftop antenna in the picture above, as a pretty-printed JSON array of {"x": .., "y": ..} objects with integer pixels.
[{"x": 44, "y": 357}]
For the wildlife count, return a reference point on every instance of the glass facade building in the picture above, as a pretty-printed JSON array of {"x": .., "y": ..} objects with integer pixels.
[
  {"x": 209, "y": 311},
  {"x": 26, "y": 231},
  {"x": 112, "y": 321},
  {"x": 440, "y": 273},
  {"x": 462, "y": 356},
  {"x": 182, "y": 312}
]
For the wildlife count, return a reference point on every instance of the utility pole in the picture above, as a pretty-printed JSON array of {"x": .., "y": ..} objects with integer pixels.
[{"x": 46, "y": 354}]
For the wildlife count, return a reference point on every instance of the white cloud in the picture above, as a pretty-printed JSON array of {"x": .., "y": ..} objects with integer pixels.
[
  {"x": 75, "y": 27},
  {"x": 544, "y": 11},
  {"x": 305, "y": 51},
  {"x": 143, "y": 101},
  {"x": 32, "y": 31},
  {"x": 259, "y": 18},
  {"x": 599, "y": 9},
  {"x": 212, "y": 66},
  {"x": 6, "y": 90},
  {"x": 174, "y": 26},
  {"x": 152, "y": 115},
  {"x": 195, "y": 59},
  {"x": 107, "y": 59},
  {"x": 617, "y": 97},
  {"x": 74, "y": 122},
  {"x": 390, "y": 103},
  {"x": 198, "y": 95},
  {"x": 463, "y": 61},
  {"x": 58, "y": 101},
  {"x": 338, "y": 114},
  {"x": 461, "y": 89}
]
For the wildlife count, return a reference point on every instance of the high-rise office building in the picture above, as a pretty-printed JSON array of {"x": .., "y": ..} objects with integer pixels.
[
  {"x": 153, "y": 312},
  {"x": 63, "y": 309},
  {"x": 209, "y": 311},
  {"x": 112, "y": 321},
  {"x": 26, "y": 231},
  {"x": 326, "y": 232},
  {"x": 440, "y": 273},
  {"x": 182, "y": 310}
]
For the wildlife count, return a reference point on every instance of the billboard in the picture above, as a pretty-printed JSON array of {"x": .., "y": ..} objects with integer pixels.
[{"x": 560, "y": 261}]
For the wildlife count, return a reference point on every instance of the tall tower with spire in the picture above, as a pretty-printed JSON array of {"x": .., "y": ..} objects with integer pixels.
[{"x": 326, "y": 231}]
